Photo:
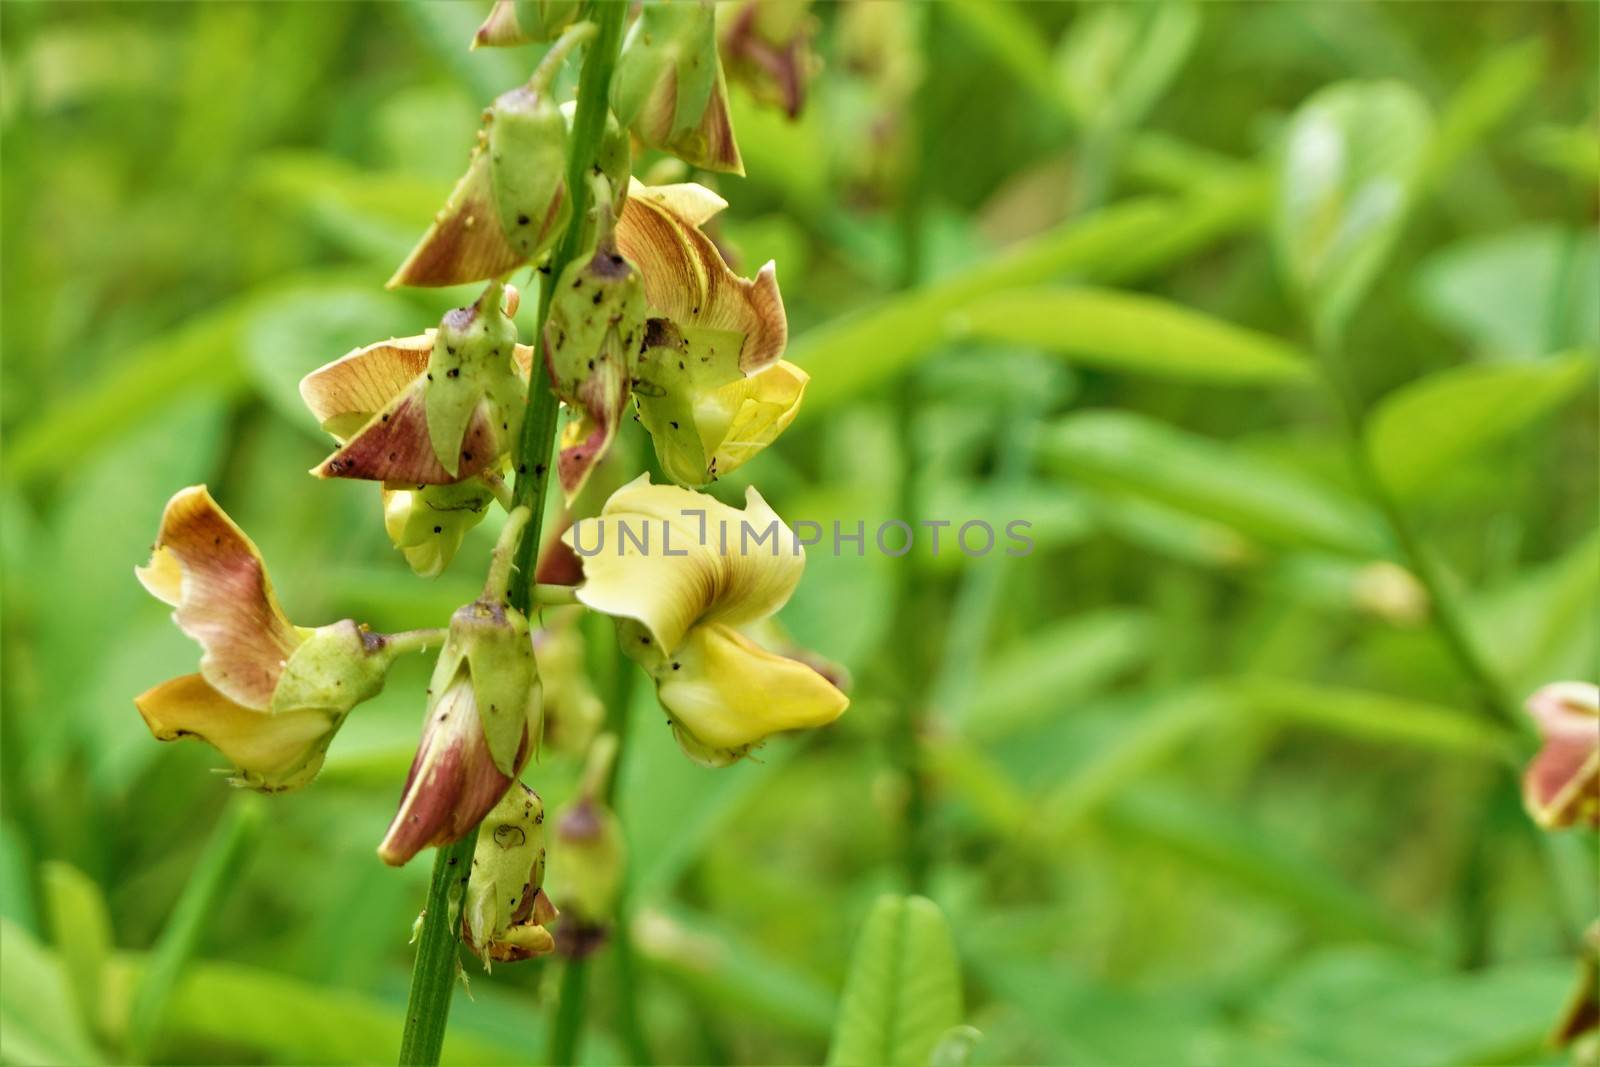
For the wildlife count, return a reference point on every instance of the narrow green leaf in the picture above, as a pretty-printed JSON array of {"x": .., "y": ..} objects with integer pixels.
[
  {"x": 1136, "y": 333},
  {"x": 1206, "y": 478},
  {"x": 1015, "y": 41},
  {"x": 181, "y": 935},
  {"x": 1375, "y": 717},
  {"x": 695, "y": 951},
  {"x": 1351, "y": 163},
  {"x": 903, "y": 991},
  {"x": 80, "y": 926},
  {"x": 854, "y": 352},
  {"x": 1116, "y": 60},
  {"x": 1228, "y": 847},
  {"x": 1424, "y": 429},
  {"x": 1490, "y": 93},
  {"x": 38, "y": 1022},
  {"x": 1042, "y": 675}
]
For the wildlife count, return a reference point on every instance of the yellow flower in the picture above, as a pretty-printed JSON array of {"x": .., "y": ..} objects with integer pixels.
[
  {"x": 269, "y": 695},
  {"x": 709, "y": 383},
  {"x": 682, "y": 573},
  {"x": 1561, "y": 787}
]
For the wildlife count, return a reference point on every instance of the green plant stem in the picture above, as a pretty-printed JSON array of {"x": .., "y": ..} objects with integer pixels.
[
  {"x": 433, "y": 975},
  {"x": 569, "y": 1013},
  {"x": 539, "y": 425},
  {"x": 408, "y": 641},
  {"x": 1448, "y": 619},
  {"x": 239, "y": 822}
]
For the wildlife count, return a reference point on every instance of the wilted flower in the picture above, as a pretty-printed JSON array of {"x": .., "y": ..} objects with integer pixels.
[
  {"x": 269, "y": 695},
  {"x": 592, "y": 335},
  {"x": 513, "y": 22},
  {"x": 680, "y": 601},
  {"x": 506, "y": 911},
  {"x": 427, "y": 410},
  {"x": 1561, "y": 786},
  {"x": 482, "y": 721},
  {"x": 702, "y": 381},
  {"x": 669, "y": 87},
  {"x": 766, "y": 46}
]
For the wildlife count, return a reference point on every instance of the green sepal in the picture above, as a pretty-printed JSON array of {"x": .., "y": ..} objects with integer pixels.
[
  {"x": 472, "y": 369},
  {"x": 335, "y": 668},
  {"x": 543, "y": 20},
  {"x": 676, "y": 370},
  {"x": 670, "y": 41},
  {"x": 528, "y": 169},
  {"x": 497, "y": 648},
  {"x": 428, "y": 523}
]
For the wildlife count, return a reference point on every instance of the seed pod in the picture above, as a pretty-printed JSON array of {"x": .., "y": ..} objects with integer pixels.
[
  {"x": 669, "y": 87},
  {"x": 506, "y": 910}
]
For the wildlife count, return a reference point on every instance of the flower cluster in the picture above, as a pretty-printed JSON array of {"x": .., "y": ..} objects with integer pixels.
[{"x": 639, "y": 313}]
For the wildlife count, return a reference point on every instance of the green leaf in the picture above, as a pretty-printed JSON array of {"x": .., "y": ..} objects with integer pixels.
[
  {"x": 1129, "y": 453},
  {"x": 903, "y": 991},
  {"x": 1117, "y": 59},
  {"x": 80, "y": 926},
  {"x": 38, "y": 1023},
  {"x": 293, "y": 1021},
  {"x": 181, "y": 935},
  {"x": 1517, "y": 293},
  {"x": 1483, "y": 101},
  {"x": 1376, "y": 718},
  {"x": 695, "y": 951},
  {"x": 1228, "y": 847},
  {"x": 1426, "y": 428},
  {"x": 1351, "y": 163},
  {"x": 1135, "y": 333},
  {"x": 1042, "y": 675}
]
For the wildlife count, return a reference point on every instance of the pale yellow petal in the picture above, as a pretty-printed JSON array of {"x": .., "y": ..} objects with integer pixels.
[
  {"x": 272, "y": 752},
  {"x": 206, "y": 567},
  {"x": 725, "y": 693},
  {"x": 687, "y": 281},
  {"x": 347, "y": 392},
  {"x": 690, "y": 201},
  {"x": 745, "y": 416},
  {"x": 670, "y": 557}
]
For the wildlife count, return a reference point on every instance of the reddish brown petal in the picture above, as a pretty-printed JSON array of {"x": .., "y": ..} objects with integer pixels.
[
  {"x": 206, "y": 567},
  {"x": 362, "y": 383},
  {"x": 394, "y": 446},
  {"x": 466, "y": 242}
]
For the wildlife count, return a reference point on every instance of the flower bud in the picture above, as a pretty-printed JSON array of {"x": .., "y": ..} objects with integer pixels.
[
  {"x": 506, "y": 910},
  {"x": 573, "y": 712},
  {"x": 597, "y": 313},
  {"x": 766, "y": 46},
  {"x": 427, "y": 523},
  {"x": 1561, "y": 786},
  {"x": 669, "y": 87},
  {"x": 483, "y": 721},
  {"x": 514, "y": 22},
  {"x": 589, "y": 854}
]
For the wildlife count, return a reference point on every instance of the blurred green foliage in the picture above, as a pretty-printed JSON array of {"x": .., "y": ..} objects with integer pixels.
[{"x": 1203, "y": 784}]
